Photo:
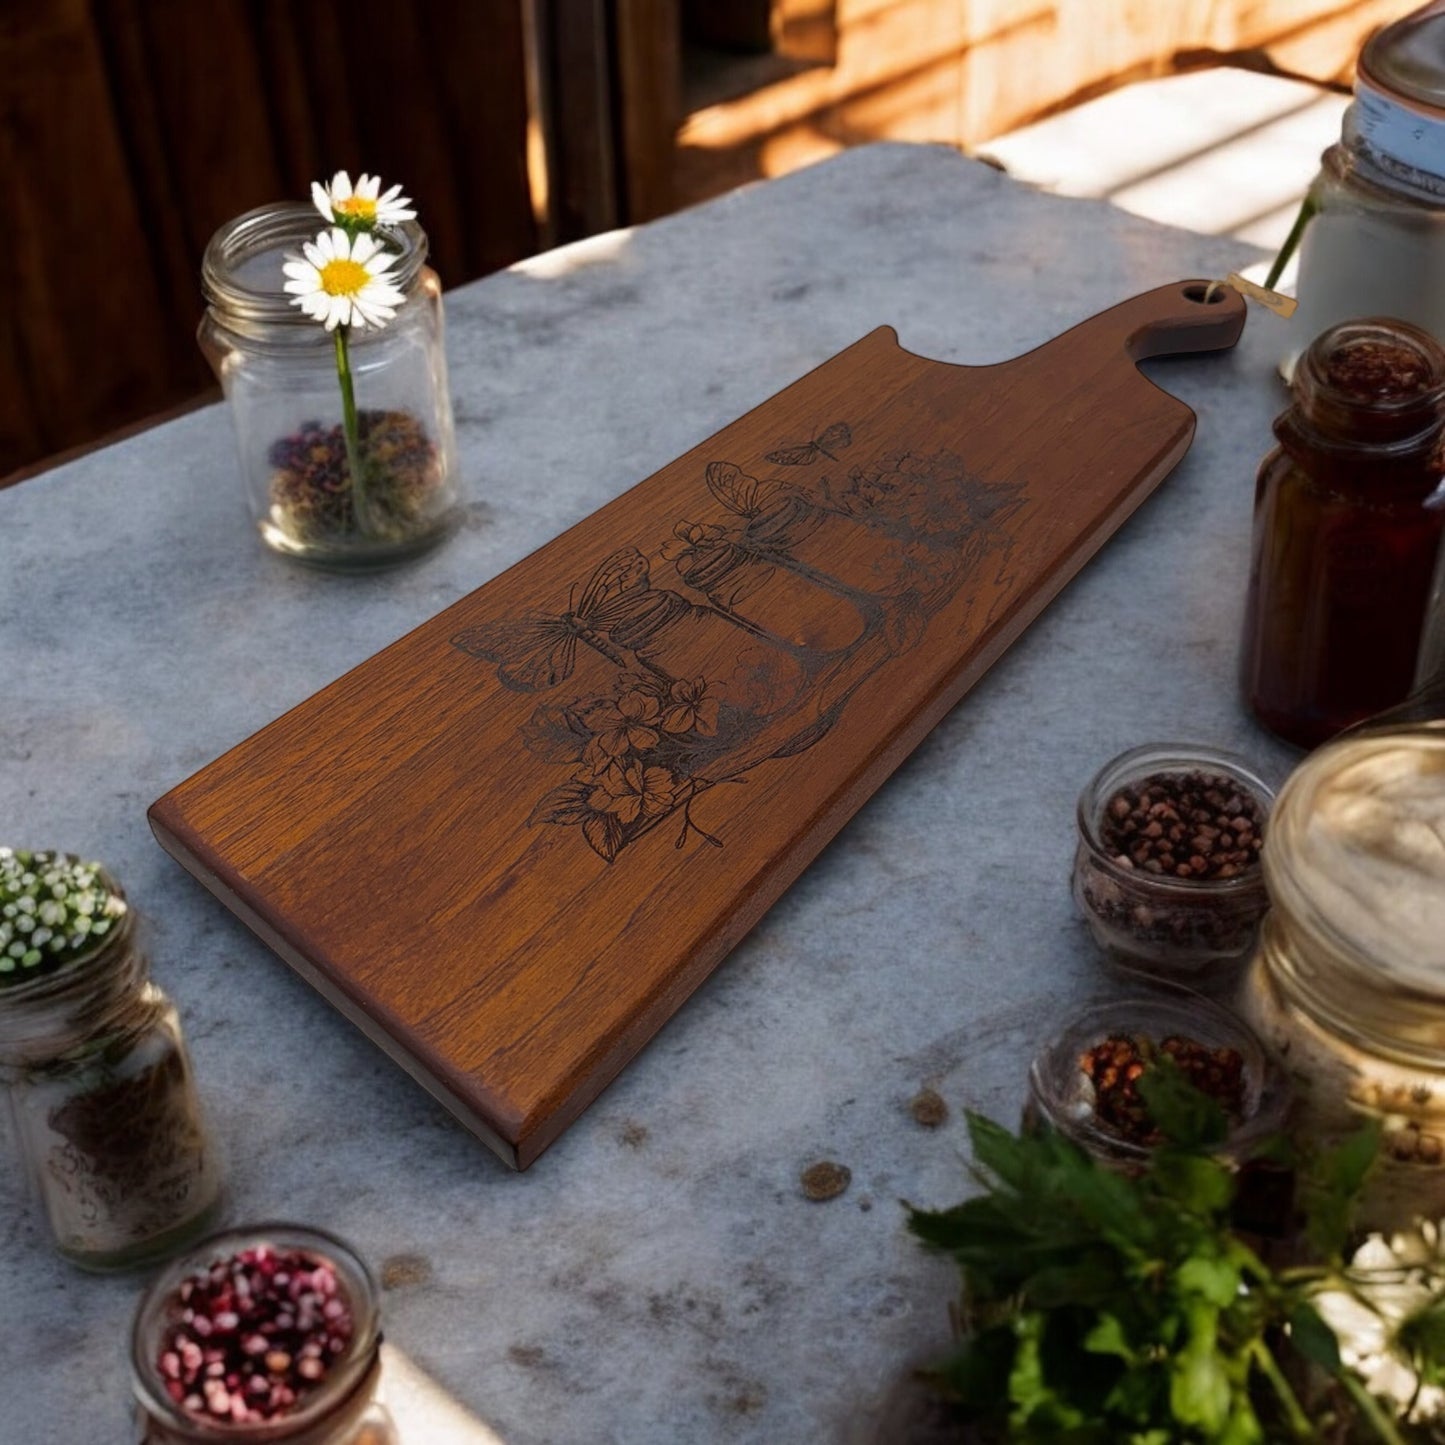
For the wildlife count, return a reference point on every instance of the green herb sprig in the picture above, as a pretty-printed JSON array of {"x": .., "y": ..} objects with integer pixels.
[
  {"x": 1128, "y": 1310},
  {"x": 53, "y": 908}
]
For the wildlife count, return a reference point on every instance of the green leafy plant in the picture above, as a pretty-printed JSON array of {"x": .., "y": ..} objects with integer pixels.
[
  {"x": 53, "y": 909},
  {"x": 1109, "y": 1307}
]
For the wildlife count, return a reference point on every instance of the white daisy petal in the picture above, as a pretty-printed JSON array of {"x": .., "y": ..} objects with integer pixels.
[
  {"x": 340, "y": 186},
  {"x": 321, "y": 199}
]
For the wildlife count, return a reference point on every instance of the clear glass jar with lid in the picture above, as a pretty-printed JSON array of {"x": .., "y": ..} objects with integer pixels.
[
  {"x": 1374, "y": 244},
  {"x": 1348, "y": 983},
  {"x": 97, "y": 1074},
  {"x": 269, "y": 1333},
  {"x": 285, "y": 377}
]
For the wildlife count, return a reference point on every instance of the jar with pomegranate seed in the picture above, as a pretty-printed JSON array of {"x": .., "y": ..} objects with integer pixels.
[
  {"x": 96, "y": 1070},
  {"x": 270, "y": 1333}
]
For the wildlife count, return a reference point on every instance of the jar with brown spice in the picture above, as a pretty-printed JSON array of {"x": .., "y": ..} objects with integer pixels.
[
  {"x": 1349, "y": 979},
  {"x": 99, "y": 1081},
  {"x": 1347, "y": 524},
  {"x": 1166, "y": 872}
]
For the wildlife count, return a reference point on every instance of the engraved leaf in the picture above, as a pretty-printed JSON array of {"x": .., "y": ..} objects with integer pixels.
[
  {"x": 555, "y": 735},
  {"x": 812, "y": 734},
  {"x": 604, "y": 833},
  {"x": 567, "y": 804}
]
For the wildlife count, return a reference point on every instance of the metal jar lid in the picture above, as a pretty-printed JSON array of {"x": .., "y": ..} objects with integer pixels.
[{"x": 1400, "y": 91}]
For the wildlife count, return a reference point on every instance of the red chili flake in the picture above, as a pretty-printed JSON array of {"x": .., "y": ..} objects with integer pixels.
[
  {"x": 1115, "y": 1065},
  {"x": 253, "y": 1334}
]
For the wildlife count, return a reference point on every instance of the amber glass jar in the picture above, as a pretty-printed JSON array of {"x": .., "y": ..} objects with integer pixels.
[
  {"x": 1344, "y": 536},
  {"x": 1349, "y": 980}
]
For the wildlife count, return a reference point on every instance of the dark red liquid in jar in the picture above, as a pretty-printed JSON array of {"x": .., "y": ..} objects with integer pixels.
[{"x": 1346, "y": 532}]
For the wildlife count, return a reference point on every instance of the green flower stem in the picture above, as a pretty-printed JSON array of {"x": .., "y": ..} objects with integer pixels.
[
  {"x": 1370, "y": 1409},
  {"x": 353, "y": 432},
  {"x": 1265, "y": 1362},
  {"x": 1307, "y": 210}
]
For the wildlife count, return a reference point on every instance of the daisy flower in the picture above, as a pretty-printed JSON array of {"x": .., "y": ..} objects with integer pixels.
[
  {"x": 341, "y": 280},
  {"x": 363, "y": 206},
  {"x": 1391, "y": 1283}
]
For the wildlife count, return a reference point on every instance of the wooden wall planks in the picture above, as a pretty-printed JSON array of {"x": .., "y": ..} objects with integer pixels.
[{"x": 131, "y": 129}]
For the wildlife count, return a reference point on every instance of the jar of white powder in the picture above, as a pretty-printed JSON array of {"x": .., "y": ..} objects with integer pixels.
[{"x": 1348, "y": 982}]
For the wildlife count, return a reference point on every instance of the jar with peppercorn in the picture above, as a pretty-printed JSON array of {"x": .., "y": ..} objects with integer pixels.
[
  {"x": 1166, "y": 873},
  {"x": 98, "y": 1078},
  {"x": 1348, "y": 519},
  {"x": 270, "y": 1333},
  {"x": 1349, "y": 979},
  {"x": 1084, "y": 1081}
]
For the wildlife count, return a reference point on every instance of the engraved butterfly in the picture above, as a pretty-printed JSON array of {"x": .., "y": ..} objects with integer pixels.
[
  {"x": 832, "y": 439},
  {"x": 617, "y": 609}
]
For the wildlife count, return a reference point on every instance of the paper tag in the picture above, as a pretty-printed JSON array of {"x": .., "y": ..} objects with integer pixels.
[{"x": 1280, "y": 305}]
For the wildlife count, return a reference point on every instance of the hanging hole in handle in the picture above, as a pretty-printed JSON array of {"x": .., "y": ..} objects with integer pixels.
[{"x": 1210, "y": 295}]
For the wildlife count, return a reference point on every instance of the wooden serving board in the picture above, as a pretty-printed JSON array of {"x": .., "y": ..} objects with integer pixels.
[{"x": 511, "y": 844}]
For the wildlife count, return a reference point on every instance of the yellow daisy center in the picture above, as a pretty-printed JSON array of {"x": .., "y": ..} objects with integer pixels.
[
  {"x": 344, "y": 277},
  {"x": 359, "y": 206}
]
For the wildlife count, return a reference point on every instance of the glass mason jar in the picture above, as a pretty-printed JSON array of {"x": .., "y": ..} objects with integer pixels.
[
  {"x": 279, "y": 371},
  {"x": 104, "y": 1107},
  {"x": 1375, "y": 241},
  {"x": 183, "y": 1401},
  {"x": 1222, "y": 1055},
  {"x": 1347, "y": 526},
  {"x": 1195, "y": 931},
  {"x": 1348, "y": 982}
]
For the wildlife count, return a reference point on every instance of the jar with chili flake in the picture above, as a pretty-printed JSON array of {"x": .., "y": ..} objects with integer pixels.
[
  {"x": 264, "y": 1334},
  {"x": 1084, "y": 1081},
  {"x": 1347, "y": 524}
]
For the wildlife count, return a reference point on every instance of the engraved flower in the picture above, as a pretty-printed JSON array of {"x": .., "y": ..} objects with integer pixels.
[
  {"x": 690, "y": 537},
  {"x": 363, "y": 206},
  {"x": 689, "y": 709},
  {"x": 627, "y": 726},
  {"x": 341, "y": 280},
  {"x": 634, "y": 792}
]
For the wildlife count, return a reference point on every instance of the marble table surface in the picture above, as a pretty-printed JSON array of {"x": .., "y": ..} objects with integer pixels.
[{"x": 659, "y": 1275}]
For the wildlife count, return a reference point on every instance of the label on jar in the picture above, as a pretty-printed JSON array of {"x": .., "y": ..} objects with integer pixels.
[{"x": 1413, "y": 136}]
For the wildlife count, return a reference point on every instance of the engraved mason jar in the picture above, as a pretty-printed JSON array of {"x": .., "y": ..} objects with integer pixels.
[
  {"x": 279, "y": 370},
  {"x": 104, "y": 1105}
]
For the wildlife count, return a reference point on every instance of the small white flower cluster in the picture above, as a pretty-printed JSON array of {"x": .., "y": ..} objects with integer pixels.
[
  {"x": 52, "y": 906},
  {"x": 1391, "y": 1281},
  {"x": 340, "y": 278}
]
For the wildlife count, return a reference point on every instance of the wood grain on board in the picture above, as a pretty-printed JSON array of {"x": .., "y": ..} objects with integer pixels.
[{"x": 511, "y": 844}]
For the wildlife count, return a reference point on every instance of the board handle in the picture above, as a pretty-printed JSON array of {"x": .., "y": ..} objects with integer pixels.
[{"x": 1168, "y": 321}]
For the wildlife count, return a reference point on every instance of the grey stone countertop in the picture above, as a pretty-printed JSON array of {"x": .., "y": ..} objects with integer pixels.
[{"x": 658, "y": 1276}]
